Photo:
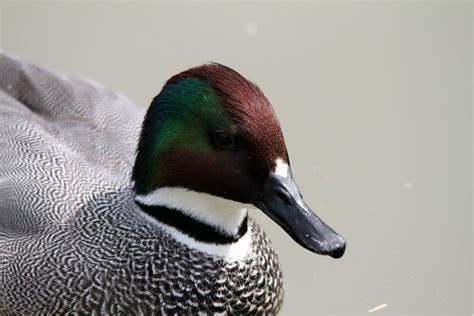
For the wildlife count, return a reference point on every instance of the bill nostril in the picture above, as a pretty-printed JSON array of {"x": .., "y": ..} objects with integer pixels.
[{"x": 284, "y": 196}]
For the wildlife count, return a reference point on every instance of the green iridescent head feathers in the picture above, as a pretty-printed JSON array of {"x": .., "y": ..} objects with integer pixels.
[
  {"x": 177, "y": 146},
  {"x": 181, "y": 116}
]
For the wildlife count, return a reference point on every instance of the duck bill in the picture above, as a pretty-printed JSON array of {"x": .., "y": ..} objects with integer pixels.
[{"x": 282, "y": 202}]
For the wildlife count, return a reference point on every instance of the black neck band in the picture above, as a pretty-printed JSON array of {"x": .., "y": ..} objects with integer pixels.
[{"x": 191, "y": 227}]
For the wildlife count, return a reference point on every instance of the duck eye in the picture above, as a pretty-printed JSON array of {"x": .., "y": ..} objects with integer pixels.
[{"x": 222, "y": 139}]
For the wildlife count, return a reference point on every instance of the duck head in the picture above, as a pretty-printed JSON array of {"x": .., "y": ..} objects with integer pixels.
[{"x": 211, "y": 147}]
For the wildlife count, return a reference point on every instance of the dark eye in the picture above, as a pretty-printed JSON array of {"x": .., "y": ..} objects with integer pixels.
[{"x": 222, "y": 139}]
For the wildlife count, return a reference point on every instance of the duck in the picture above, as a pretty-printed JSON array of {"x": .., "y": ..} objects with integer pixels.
[{"x": 109, "y": 209}]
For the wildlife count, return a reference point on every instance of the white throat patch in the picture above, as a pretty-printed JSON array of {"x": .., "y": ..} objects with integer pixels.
[{"x": 222, "y": 214}]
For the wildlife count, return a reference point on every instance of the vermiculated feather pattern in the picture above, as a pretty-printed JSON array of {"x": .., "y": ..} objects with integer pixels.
[{"x": 71, "y": 236}]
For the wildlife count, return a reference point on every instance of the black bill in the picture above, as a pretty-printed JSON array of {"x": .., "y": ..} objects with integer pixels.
[{"x": 281, "y": 200}]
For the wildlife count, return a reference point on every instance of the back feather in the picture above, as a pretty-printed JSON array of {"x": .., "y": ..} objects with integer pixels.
[{"x": 62, "y": 141}]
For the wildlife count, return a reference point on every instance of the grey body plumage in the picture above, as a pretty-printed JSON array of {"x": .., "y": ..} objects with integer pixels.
[{"x": 71, "y": 236}]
